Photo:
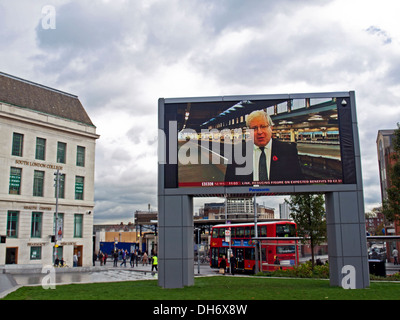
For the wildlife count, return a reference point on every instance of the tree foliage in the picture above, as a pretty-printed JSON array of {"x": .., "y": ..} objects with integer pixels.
[
  {"x": 391, "y": 205},
  {"x": 308, "y": 211}
]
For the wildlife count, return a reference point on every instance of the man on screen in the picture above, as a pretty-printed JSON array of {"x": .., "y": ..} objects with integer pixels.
[{"x": 272, "y": 159}]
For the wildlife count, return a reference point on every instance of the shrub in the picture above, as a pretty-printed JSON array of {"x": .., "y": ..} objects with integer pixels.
[
  {"x": 391, "y": 277},
  {"x": 303, "y": 270}
]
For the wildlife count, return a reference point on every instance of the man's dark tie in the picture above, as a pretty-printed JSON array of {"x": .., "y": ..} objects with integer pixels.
[{"x": 262, "y": 166}]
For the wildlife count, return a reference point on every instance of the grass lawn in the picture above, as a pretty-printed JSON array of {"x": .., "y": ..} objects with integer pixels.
[{"x": 212, "y": 288}]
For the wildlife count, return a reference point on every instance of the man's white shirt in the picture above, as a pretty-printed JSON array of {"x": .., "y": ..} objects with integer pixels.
[{"x": 256, "y": 158}]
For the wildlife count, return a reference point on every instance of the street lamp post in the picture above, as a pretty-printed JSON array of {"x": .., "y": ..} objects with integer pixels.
[
  {"x": 226, "y": 222},
  {"x": 198, "y": 249},
  {"x": 256, "y": 269},
  {"x": 57, "y": 186}
]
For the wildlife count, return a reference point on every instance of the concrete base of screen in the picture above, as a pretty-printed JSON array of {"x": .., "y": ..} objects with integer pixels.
[
  {"x": 347, "y": 242},
  {"x": 176, "y": 255}
]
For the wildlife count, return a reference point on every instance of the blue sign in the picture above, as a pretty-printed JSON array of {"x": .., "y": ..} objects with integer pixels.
[
  {"x": 258, "y": 189},
  {"x": 238, "y": 243}
]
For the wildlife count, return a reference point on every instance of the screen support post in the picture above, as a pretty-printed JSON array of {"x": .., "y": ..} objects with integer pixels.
[
  {"x": 175, "y": 241},
  {"x": 347, "y": 240}
]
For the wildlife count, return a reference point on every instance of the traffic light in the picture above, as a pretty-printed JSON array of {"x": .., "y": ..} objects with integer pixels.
[
  {"x": 53, "y": 238},
  {"x": 197, "y": 236}
]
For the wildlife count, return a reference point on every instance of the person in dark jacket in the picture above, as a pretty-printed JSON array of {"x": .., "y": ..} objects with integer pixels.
[
  {"x": 222, "y": 265},
  {"x": 232, "y": 262},
  {"x": 268, "y": 159}
]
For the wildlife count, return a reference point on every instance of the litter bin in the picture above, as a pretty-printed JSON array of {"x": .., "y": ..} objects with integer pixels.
[{"x": 377, "y": 267}]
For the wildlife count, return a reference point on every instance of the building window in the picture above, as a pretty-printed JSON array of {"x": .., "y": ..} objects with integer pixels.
[
  {"x": 80, "y": 156},
  {"x": 12, "y": 224},
  {"x": 61, "y": 152},
  {"x": 36, "y": 253},
  {"x": 78, "y": 225},
  {"x": 38, "y": 181},
  {"x": 15, "y": 181},
  {"x": 79, "y": 186},
  {"x": 61, "y": 187},
  {"x": 40, "y": 149},
  {"x": 18, "y": 141},
  {"x": 36, "y": 225}
]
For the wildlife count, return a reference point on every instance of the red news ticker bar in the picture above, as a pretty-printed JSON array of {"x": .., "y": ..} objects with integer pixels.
[{"x": 260, "y": 183}]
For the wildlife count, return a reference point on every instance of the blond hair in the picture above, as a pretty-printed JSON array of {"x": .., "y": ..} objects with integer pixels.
[{"x": 257, "y": 114}]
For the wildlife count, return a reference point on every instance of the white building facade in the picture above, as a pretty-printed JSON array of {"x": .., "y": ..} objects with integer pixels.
[{"x": 43, "y": 130}]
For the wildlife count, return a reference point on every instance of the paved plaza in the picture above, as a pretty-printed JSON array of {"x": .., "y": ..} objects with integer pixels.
[{"x": 13, "y": 278}]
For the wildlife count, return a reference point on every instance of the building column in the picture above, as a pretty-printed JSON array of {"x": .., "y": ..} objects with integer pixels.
[{"x": 175, "y": 226}]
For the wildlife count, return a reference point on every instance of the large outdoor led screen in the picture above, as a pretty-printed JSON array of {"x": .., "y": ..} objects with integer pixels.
[{"x": 296, "y": 141}]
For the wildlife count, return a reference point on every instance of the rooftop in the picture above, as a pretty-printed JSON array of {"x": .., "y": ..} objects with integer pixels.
[{"x": 30, "y": 95}]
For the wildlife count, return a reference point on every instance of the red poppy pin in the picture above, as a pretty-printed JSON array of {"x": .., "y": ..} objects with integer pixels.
[{"x": 275, "y": 158}]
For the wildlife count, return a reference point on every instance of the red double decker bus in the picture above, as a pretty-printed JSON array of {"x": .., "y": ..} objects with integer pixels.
[{"x": 275, "y": 253}]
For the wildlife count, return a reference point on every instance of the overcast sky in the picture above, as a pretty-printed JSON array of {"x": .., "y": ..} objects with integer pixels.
[{"x": 119, "y": 57}]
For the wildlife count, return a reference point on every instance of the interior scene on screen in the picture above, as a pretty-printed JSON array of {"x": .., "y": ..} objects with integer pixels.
[{"x": 259, "y": 142}]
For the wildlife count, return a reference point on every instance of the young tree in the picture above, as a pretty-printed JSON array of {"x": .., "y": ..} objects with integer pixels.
[
  {"x": 308, "y": 211},
  {"x": 391, "y": 205}
]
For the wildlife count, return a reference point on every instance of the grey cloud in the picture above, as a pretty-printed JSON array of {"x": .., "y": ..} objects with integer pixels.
[
  {"x": 314, "y": 55},
  {"x": 236, "y": 14},
  {"x": 82, "y": 27},
  {"x": 382, "y": 34},
  {"x": 118, "y": 200},
  {"x": 121, "y": 154}
]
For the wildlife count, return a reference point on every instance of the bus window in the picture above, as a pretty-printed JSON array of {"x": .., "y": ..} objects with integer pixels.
[
  {"x": 249, "y": 254},
  {"x": 263, "y": 254},
  {"x": 247, "y": 232},
  {"x": 285, "y": 230},
  {"x": 262, "y": 231},
  {"x": 215, "y": 233},
  {"x": 240, "y": 258},
  {"x": 222, "y": 252},
  {"x": 240, "y": 232},
  {"x": 285, "y": 249},
  {"x": 214, "y": 257},
  {"x": 221, "y": 233}
]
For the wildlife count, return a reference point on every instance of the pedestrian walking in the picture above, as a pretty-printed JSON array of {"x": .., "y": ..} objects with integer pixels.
[
  {"x": 145, "y": 258},
  {"x": 124, "y": 253},
  {"x": 395, "y": 254},
  {"x": 222, "y": 265},
  {"x": 232, "y": 262},
  {"x": 133, "y": 258},
  {"x": 75, "y": 260},
  {"x": 115, "y": 256},
  {"x": 101, "y": 257},
  {"x": 154, "y": 265},
  {"x": 137, "y": 257}
]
